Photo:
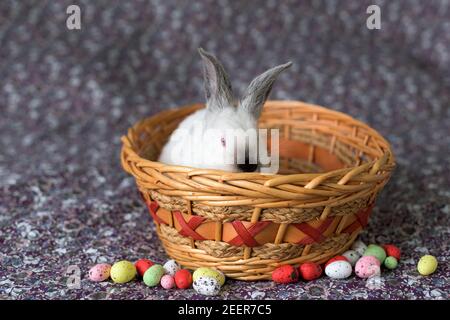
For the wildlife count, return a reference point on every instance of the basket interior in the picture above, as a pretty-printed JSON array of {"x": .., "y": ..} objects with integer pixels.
[{"x": 310, "y": 142}]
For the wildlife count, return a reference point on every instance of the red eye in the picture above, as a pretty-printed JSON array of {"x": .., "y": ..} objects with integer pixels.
[{"x": 222, "y": 140}]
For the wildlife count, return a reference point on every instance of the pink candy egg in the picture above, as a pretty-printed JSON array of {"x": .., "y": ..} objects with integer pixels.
[
  {"x": 367, "y": 267},
  {"x": 99, "y": 272},
  {"x": 167, "y": 281}
]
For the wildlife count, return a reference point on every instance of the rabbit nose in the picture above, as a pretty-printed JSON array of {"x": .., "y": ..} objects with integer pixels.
[{"x": 247, "y": 167}]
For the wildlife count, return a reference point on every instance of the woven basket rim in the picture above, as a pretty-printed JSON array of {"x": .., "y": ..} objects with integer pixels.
[{"x": 388, "y": 156}]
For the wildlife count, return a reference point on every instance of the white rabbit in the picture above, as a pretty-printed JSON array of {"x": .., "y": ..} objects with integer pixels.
[{"x": 206, "y": 138}]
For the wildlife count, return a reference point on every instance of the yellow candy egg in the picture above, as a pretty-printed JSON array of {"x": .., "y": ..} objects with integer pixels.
[
  {"x": 427, "y": 265},
  {"x": 208, "y": 272},
  {"x": 123, "y": 271}
]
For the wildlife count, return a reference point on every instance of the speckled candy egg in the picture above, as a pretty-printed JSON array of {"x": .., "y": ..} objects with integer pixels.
[
  {"x": 359, "y": 247},
  {"x": 153, "y": 275},
  {"x": 99, "y": 272},
  {"x": 375, "y": 251},
  {"x": 367, "y": 267},
  {"x": 123, "y": 271},
  {"x": 183, "y": 279},
  {"x": 336, "y": 258},
  {"x": 211, "y": 273},
  {"x": 392, "y": 251},
  {"x": 206, "y": 286},
  {"x": 142, "y": 265},
  {"x": 171, "y": 267},
  {"x": 427, "y": 265},
  {"x": 390, "y": 263},
  {"x": 167, "y": 281},
  {"x": 339, "y": 269},
  {"x": 285, "y": 274},
  {"x": 352, "y": 256},
  {"x": 310, "y": 271}
]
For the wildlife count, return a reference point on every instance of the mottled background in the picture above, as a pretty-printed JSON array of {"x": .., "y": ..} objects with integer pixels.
[{"x": 66, "y": 97}]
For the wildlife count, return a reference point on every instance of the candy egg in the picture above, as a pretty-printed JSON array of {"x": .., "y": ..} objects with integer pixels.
[
  {"x": 123, "y": 271},
  {"x": 142, "y": 265},
  {"x": 99, "y": 272},
  {"x": 375, "y": 251},
  {"x": 359, "y": 247},
  {"x": 206, "y": 286},
  {"x": 208, "y": 272},
  {"x": 390, "y": 263},
  {"x": 392, "y": 251},
  {"x": 336, "y": 258},
  {"x": 339, "y": 269},
  {"x": 167, "y": 281},
  {"x": 153, "y": 275},
  {"x": 367, "y": 266},
  {"x": 310, "y": 271},
  {"x": 352, "y": 256},
  {"x": 285, "y": 274},
  {"x": 171, "y": 267},
  {"x": 427, "y": 265},
  {"x": 183, "y": 279}
]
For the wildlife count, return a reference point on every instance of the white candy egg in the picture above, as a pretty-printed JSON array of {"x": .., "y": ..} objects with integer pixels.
[
  {"x": 339, "y": 270},
  {"x": 206, "y": 286},
  {"x": 352, "y": 256},
  {"x": 359, "y": 247},
  {"x": 171, "y": 267}
]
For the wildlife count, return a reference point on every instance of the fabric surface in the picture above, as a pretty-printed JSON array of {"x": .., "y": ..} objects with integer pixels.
[{"x": 67, "y": 96}]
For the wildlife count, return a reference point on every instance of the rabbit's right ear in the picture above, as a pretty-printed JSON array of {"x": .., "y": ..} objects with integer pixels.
[
  {"x": 259, "y": 89},
  {"x": 217, "y": 85}
]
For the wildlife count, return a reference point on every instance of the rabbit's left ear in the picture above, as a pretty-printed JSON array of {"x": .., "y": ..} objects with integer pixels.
[
  {"x": 259, "y": 89},
  {"x": 217, "y": 85}
]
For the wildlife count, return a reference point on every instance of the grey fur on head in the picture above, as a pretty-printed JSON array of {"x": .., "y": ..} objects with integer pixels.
[{"x": 218, "y": 86}]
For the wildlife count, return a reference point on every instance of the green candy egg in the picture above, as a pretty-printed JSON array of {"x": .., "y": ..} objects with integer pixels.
[
  {"x": 375, "y": 251},
  {"x": 123, "y": 271},
  {"x": 211, "y": 273},
  {"x": 153, "y": 275},
  {"x": 427, "y": 265},
  {"x": 390, "y": 263}
]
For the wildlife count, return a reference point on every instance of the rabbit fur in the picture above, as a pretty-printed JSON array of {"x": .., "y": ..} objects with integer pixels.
[{"x": 205, "y": 139}]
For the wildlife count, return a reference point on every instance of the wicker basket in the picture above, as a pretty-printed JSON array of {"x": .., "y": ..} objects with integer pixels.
[{"x": 246, "y": 224}]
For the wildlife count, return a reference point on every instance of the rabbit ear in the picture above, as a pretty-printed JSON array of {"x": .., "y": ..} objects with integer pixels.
[
  {"x": 217, "y": 85},
  {"x": 259, "y": 89}
]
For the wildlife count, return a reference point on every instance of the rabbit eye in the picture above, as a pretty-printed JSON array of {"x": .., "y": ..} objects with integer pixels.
[{"x": 222, "y": 140}]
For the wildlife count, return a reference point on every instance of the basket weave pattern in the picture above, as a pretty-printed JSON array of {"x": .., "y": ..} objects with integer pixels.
[{"x": 246, "y": 224}]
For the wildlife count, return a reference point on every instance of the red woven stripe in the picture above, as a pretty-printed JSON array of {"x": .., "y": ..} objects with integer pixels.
[
  {"x": 314, "y": 234},
  {"x": 153, "y": 206},
  {"x": 246, "y": 236},
  {"x": 362, "y": 218},
  {"x": 187, "y": 228}
]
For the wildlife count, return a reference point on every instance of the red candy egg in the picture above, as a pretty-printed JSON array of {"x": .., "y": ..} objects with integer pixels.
[
  {"x": 285, "y": 274},
  {"x": 142, "y": 265},
  {"x": 310, "y": 271},
  {"x": 392, "y": 251},
  {"x": 183, "y": 279},
  {"x": 337, "y": 258}
]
